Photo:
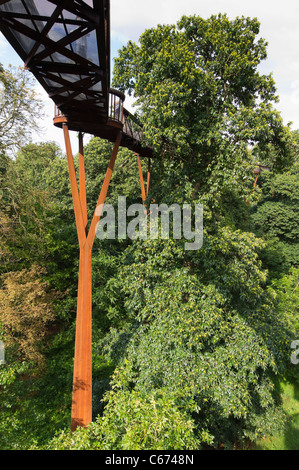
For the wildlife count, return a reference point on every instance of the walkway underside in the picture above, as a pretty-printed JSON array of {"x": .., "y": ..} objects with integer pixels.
[
  {"x": 131, "y": 131},
  {"x": 66, "y": 45}
]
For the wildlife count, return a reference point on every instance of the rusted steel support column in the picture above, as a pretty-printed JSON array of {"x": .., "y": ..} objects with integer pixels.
[
  {"x": 255, "y": 181},
  {"x": 74, "y": 187},
  {"x": 103, "y": 193},
  {"x": 82, "y": 378},
  {"x": 141, "y": 179},
  {"x": 82, "y": 184},
  {"x": 148, "y": 183}
]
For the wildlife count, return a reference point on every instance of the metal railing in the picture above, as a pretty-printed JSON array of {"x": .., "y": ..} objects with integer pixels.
[
  {"x": 57, "y": 112},
  {"x": 116, "y": 106},
  {"x": 132, "y": 127},
  {"x": 118, "y": 114}
]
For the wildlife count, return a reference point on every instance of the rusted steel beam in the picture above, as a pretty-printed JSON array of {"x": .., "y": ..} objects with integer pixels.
[
  {"x": 148, "y": 183},
  {"x": 255, "y": 181},
  {"x": 82, "y": 182},
  {"x": 82, "y": 377},
  {"x": 103, "y": 193},
  {"x": 141, "y": 179},
  {"x": 74, "y": 187}
]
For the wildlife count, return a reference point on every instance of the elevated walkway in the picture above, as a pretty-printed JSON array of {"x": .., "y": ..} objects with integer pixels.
[
  {"x": 118, "y": 119},
  {"x": 66, "y": 45}
]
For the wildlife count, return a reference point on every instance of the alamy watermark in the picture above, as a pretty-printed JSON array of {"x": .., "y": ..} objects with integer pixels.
[
  {"x": 295, "y": 354},
  {"x": 136, "y": 221},
  {"x": 2, "y": 353}
]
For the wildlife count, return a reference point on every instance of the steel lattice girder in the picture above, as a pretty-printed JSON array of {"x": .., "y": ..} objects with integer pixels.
[{"x": 66, "y": 45}]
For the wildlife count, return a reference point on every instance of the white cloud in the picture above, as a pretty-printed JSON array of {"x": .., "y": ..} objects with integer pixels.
[
  {"x": 289, "y": 103},
  {"x": 132, "y": 17}
]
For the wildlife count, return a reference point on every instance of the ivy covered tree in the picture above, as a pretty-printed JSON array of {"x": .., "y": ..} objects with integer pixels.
[
  {"x": 276, "y": 218},
  {"x": 202, "y": 100},
  {"x": 20, "y": 108}
]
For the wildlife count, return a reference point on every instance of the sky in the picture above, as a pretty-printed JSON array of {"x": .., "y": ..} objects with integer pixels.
[{"x": 129, "y": 18}]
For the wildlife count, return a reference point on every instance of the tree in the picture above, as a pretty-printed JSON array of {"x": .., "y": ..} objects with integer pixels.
[
  {"x": 125, "y": 179},
  {"x": 197, "y": 330},
  {"x": 29, "y": 204},
  {"x": 201, "y": 99},
  {"x": 38, "y": 248},
  {"x": 20, "y": 108},
  {"x": 201, "y": 325},
  {"x": 276, "y": 218},
  {"x": 187, "y": 346},
  {"x": 26, "y": 311}
]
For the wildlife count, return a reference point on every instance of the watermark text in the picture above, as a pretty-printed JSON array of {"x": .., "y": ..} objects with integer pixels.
[{"x": 175, "y": 221}]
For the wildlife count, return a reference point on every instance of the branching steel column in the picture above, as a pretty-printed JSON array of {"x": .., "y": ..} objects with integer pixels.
[
  {"x": 141, "y": 180},
  {"x": 82, "y": 183},
  {"x": 255, "y": 181},
  {"x": 148, "y": 184},
  {"x": 103, "y": 193},
  {"x": 144, "y": 193},
  {"x": 82, "y": 378}
]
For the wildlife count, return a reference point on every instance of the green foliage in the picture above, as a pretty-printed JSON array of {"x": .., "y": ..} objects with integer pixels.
[
  {"x": 26, "y": 310},
  {"x": 124, "y": 181},
  {"x": 37, "y": 261},
  {"x": 34, "y": 403},
  {"x": 287, "y": 439},
  {"x": 20, "y": 108},
  {"x": 196, "y": 355},
  {"x": 276, "y": 218},
  {"x": 216, "y": 343},
  {"x": 198, "y": 331},
  {"x": 200, "y": 97},
  {"x": 286, "y": 293},
  {"x": 37, "y": 215},
  {"x": 134, "y": 421}
]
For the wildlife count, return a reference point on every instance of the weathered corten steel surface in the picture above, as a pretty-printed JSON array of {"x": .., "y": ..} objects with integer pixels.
[{"x": 66, "y": 45}]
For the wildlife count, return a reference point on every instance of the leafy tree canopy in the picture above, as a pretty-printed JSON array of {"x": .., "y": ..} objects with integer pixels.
[
  {"x": 276, "y": 218},
  {"x": 20, "y": 108},
  {"x": 200, "y": 96}
]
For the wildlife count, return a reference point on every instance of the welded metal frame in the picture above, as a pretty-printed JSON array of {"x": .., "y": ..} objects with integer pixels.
[
  {"x": 52, "y": 38},
  {"x": 75, "y": 74}
]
